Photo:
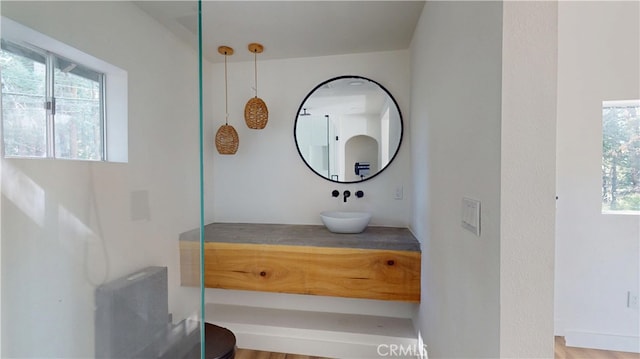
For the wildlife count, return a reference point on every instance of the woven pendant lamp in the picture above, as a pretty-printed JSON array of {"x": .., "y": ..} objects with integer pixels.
[
  {"x": 227, "y": 140},
  {"x": 256, "y": 113}
]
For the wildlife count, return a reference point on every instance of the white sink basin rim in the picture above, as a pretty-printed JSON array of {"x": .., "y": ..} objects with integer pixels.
[{"x": 345, "y": 221}]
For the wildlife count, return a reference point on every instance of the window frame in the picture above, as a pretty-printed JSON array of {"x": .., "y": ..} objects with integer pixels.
[
  {"x": 114, "y": 94},
  {"x": 52, "y": 63}
]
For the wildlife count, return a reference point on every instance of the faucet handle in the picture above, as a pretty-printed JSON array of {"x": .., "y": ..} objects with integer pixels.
[
  {"x": 359, "y": 194},
  {"x": 335, "y": 193}
]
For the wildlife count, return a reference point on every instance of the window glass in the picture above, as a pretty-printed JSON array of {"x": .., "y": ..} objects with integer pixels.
[
  {"x": 621, "y": 156},
  {"x": 23, "y": 75},
  {"x": 59, "y": 102},
  {"x": 79, "y": 113},
  {"x": 51, "y": 106}
]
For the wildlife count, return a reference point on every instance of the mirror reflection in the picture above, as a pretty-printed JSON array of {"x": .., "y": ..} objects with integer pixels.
[{"x": 348, "y": 129}]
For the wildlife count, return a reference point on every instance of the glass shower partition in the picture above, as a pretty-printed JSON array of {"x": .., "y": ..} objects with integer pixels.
[{"x": 101, "y": 172}]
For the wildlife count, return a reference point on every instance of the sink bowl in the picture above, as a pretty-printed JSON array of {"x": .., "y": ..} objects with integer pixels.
[{"x": 345, "y": 222}]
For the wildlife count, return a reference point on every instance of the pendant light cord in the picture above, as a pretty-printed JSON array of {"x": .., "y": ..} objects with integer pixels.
[
  {"x": 255, "y": 68},
  {"x": 226, "y": 96}
]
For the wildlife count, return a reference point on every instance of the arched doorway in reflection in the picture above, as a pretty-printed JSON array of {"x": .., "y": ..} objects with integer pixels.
[{"x": 360, "y": 151}]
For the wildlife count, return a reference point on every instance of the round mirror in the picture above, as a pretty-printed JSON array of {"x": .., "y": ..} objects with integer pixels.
[{"x": 348, "y": 129}]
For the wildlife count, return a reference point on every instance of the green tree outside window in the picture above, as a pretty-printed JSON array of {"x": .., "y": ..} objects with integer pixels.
[{"x": 621, "y": 156}]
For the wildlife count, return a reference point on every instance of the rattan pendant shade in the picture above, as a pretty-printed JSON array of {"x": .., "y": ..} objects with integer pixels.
[
  {"x": 256, "y": 113},
  {"x": 227, "y": 139}
]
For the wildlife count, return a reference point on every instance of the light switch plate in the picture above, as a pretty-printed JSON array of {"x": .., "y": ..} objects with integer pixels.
[
  {"x": 399, "y": 193},
  {"x": 140, "y": 210},
  {"x": 471, "y": 215}
]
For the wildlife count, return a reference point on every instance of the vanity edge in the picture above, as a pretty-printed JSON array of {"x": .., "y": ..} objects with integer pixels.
[{"x": 384, "y": 238}]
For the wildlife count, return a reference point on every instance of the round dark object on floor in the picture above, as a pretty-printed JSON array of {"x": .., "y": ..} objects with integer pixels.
[{"x": 220, "y": 343}]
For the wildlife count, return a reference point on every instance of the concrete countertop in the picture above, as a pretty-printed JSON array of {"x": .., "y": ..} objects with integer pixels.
[{"x": 387, "y": 238}]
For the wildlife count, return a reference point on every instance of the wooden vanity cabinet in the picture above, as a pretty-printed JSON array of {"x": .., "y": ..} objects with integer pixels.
[{"x": 376, "y": 269}]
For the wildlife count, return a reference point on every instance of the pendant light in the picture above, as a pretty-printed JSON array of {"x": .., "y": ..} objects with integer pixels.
[
  {"x": 256, "y": 113},
  {"x": 226, "y": 138}
]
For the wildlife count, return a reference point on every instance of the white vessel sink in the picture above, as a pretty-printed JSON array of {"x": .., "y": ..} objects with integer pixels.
[{"x": 345, "y": 222}]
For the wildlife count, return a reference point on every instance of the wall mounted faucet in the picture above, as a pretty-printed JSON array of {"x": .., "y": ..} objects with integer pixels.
[{"x": 346, "y": 194}]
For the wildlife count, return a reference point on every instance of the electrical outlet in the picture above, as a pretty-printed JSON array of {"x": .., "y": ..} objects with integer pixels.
[{"x": 632, "y": 300}]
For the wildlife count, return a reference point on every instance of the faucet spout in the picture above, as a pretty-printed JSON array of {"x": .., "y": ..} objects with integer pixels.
[{"x": 346, "y": 194}]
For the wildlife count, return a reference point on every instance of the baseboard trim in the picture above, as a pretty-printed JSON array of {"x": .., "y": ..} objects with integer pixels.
[
  {"x": 558, "y": 328},
  {"x": 622, "y": 343},
  {"x": 312, "y": 347}
]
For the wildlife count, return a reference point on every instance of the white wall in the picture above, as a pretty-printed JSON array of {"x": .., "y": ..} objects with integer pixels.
[
  {"x": 455, "y": 105},
  {"x": 267, "y": 181},
  {"x": 483, "y": 97},
  {"x": 596, "y": 254},
  {"x": 527, "y": 196},
  {"x": 66, "y": 225}
]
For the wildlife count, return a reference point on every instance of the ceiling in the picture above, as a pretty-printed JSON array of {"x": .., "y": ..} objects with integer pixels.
[
  {"x": 346, "y": 96},
  {"x": 290, "y": 29}
]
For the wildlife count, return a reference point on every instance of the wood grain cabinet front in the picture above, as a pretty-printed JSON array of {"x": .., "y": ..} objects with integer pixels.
[{"x": 343, "y": 272}]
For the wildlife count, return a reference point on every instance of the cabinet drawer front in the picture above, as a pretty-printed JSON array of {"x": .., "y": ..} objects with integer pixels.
[{"x": 342, "y": 272}]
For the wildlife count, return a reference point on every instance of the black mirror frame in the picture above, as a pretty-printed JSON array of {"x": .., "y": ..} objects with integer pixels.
[{"x": 295, "y": 125}]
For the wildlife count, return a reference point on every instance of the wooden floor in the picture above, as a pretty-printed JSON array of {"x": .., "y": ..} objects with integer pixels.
[
  {"x": 255, "y": 354},
  {"x": 561, "y": 352}
]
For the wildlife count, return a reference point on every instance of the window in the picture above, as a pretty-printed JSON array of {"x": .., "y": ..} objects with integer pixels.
[
  {"x": 621, "y": 156},
  {"x": 51, "y": 106},
  {"x": 59, "y": 102}
]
